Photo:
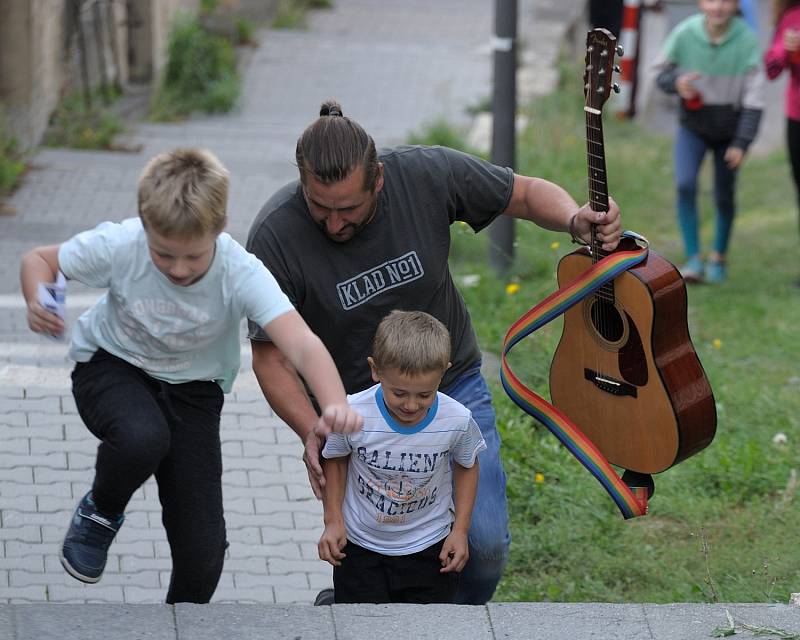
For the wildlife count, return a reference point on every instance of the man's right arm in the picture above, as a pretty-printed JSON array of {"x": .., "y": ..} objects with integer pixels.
[{"x": 286, "y": 394}]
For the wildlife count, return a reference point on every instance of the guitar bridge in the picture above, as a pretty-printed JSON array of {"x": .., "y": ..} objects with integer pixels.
[{"x": 610, "y": 385}]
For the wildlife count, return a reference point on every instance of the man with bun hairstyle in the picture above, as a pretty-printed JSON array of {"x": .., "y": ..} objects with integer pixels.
[{"x": 363, "y": 232}]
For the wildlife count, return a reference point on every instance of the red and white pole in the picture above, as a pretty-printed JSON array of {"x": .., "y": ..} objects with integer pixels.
[{"x": 629, "y": 39}]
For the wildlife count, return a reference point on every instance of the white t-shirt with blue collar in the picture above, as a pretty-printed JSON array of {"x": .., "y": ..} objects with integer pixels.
[
  {"x": 399, "y": 494},
  {"x": 176, "y": 334}
]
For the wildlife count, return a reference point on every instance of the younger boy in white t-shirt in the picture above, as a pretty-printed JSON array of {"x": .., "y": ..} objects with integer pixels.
[
  {"x": 399, "y": 494},
  {"x": 155, "y": 355}
]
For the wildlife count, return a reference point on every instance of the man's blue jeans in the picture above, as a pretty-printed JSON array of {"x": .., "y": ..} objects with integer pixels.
[{"x": 489, "y": 537}]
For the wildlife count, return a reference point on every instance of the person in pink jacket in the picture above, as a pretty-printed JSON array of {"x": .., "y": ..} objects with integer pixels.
[{"x": 784, "y": 53}]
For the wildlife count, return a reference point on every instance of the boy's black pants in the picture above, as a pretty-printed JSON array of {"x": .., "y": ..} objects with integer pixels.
[
  {"x": 367, "y": 576},
  {"x": 151, "y": 427}
]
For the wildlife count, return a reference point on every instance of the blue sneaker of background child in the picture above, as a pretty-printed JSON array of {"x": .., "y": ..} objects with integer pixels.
[
  {"x": 716, "y": 272},
  {"x": 693, "y": 270},
  {"x": 86, "y": 544}
]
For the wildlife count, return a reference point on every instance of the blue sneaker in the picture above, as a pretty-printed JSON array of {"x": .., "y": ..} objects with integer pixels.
[
  {"x": 716, "y": 272},
  {"x": 693, "y": 270},
  {"x": 86, "y": 544}
]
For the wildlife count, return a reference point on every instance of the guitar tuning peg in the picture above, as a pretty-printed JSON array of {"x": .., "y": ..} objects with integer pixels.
[
  {"x": 615, "y": 88},
  {"x": 617, "y": 69},
  {"x": 620, "y": 50}
]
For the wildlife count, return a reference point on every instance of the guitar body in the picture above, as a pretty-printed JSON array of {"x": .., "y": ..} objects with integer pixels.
[{"x": 625, "y": 371}]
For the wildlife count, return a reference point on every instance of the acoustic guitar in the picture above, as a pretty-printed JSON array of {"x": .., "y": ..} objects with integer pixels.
[{"x": 625, "y": 370}]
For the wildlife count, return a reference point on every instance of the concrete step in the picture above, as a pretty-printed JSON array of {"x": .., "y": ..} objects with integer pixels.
[{"x": 509, "y": 621}]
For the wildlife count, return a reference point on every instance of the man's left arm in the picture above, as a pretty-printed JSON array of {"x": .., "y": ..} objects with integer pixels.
[{"x": 551, "y": 207}]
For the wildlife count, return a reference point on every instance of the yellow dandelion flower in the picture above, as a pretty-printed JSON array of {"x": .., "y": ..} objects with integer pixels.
[
  {"x": 538, "y": 478},
  {"x": 555, "y": 245},
  {"x": 717, "y": 343},
  {"x": 512, "y": 288}
]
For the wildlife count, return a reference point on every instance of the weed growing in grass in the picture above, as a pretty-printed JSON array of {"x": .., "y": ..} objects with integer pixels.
[{"x": 200, "y": 74}]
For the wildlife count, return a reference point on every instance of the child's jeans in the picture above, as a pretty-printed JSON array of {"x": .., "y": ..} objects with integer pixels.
[
  {"x": 690, "y": 149},
  {"x": 151, "y": 427}
]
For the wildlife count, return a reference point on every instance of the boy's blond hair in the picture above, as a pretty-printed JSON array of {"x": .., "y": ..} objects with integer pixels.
[
  {"x": 184, "y": 193},
  {"x": 411, "y": 342}
]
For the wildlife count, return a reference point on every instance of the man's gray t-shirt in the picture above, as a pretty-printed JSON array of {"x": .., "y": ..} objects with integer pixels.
[{"x": 398, "y": 261}]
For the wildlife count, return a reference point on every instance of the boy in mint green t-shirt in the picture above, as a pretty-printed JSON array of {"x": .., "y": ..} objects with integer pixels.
[{"x": 155, "y": 355}]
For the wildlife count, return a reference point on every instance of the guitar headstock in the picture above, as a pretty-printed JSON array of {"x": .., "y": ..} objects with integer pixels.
[{"x": 601, "y": 46}]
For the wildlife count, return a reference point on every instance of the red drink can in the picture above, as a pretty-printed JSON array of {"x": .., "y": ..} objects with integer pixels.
[{"x": 694, "y": 103}]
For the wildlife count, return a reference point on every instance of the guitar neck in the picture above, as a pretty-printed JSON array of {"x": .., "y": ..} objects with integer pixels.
[
  {"x": 596, "y": 161},
  {"x": 598, "y": 186}
]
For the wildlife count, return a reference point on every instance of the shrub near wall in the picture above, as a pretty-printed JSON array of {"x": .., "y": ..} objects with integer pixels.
[
  {"x": 11, "y": 164},
  {"x": 200, "y": 73}
]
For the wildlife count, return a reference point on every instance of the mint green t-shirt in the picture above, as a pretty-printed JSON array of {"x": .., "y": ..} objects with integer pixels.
[{"x": 173, "y": 333}]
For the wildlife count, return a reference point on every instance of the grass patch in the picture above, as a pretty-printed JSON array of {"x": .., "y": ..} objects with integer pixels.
[
  {"x": 200, "y": 74},
  {"x": 11, "y": 163},
  {"x": 441, "y": 132},
  {"x": 722, "y": 525},
  {"x": 75, "y": 125}
]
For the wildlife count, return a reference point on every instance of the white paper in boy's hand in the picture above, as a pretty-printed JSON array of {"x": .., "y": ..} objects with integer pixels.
[{"x": 53, "y": 295}]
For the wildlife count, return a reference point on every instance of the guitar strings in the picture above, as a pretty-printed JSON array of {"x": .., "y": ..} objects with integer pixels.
[{"x": 598, "y": 196}]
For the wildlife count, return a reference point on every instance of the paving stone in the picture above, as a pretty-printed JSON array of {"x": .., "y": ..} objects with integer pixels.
[
  {"x": 279, "y": 566},
  {"x": 20, "y": 475},
  {"x": 35, "y": 622},
  {"x": 700, "y": 620},
  {"x": 430, "y": 622},
  {"x": 279, "y": 521},
  {"x": 31, "y": 563},
  {"x": 23, "y": 594},
  {"x": 27, "y": 533},
  {"x": 563, "y": 621}
]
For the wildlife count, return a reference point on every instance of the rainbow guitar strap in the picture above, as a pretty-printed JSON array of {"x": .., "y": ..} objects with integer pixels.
[{"x": 632, "y": 501}]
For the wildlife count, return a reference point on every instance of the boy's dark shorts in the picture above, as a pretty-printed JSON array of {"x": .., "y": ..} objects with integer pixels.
[{"x": 367, "y": 576}]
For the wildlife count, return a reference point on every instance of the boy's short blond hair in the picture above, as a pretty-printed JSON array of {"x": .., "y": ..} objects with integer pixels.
[
  {"x": 411, "y": 342},
  {"x": 184, "y": 193}
]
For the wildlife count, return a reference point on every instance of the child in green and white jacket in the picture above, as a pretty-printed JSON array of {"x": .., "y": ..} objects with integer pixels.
[{"x": 713, "y": 62}]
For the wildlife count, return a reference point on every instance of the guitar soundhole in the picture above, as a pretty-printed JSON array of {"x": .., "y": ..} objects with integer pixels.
[{"x": 608, "y": 323}]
